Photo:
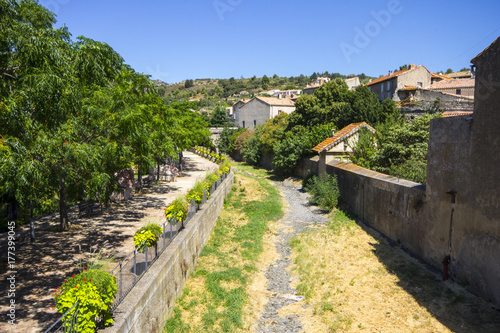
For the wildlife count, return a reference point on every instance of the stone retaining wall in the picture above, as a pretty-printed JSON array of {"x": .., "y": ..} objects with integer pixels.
[{"x": 151, "y": 302}]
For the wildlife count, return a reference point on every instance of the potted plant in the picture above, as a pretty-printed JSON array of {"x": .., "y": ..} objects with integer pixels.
[
  {"x": 196, "y": 194},
  {"x": 149, "y": 234},
  {"x": 177, "y": 211}
]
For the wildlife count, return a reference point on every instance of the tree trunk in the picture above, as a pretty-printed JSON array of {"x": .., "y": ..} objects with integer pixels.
[
  {"x": 158, "y": 171},
  {"x": 63, "y": 208},
  {"x": 180, "y": 161},
  {"x": 139, "y": 179}
]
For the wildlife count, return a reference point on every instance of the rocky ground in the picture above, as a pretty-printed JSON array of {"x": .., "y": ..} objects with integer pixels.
[{"x": 300, "y": 215}]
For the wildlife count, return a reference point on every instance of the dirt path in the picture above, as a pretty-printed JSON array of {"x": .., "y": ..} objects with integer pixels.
[
  {"x": 42, "y": 267},
  {"x": 299, "y": 216},
  {"x": 357, "y": 280}
]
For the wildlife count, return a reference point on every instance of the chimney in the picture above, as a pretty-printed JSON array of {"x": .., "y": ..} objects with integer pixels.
[
  {"x": 412, "y": 66},
  {"x": 333, "y": 133},
  {"x": 390, "y": 72}
]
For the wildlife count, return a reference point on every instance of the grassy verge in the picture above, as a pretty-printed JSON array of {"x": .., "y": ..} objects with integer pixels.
[
  {"x": 354, "y": 281},
  {"x": 215, "y": 296}
]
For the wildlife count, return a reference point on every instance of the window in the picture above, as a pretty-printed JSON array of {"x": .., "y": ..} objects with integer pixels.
[
  {"x": 389, "y": 86},
  {"x": 459, "y": 91},
  {"x": 419, "y": 84},
  {"x": 243, "y": 124},
  {"x": 254, "y": 123},
  {"x": 382, "y": 88}
]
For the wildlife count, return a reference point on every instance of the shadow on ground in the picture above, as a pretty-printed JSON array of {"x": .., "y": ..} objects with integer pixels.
[
  {"x": 448, "y": 302},
  {"x": 54, "y": 256}
]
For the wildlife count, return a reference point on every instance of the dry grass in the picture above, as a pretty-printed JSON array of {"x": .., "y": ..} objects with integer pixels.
[
  {"x": 224, "y": 292},
  {"x": 354, "y": 281}
]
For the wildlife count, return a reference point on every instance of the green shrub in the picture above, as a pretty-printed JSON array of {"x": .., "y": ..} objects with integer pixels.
[
  {"x": 178, "y": 209},
  {"x": 324, "y": 191},
  {"x": 196, "y": 193},
  {"x": 151, "y": 232},
  {"x": 210, "y": 181},
  {"x": 95, "y": 291},
  {"x": 252, "y": 150}
]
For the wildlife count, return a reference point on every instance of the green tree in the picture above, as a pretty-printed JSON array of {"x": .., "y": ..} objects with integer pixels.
[
  {"x": 219, "y": 117},
  {"x": 265, "y": 82}
]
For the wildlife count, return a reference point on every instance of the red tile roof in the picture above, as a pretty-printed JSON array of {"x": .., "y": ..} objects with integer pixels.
[
  {"x": 387, "y": 77},
  {"x": 390, "y": 76},
  {"x": 339, "y": 136},
  {"x": 454, "y": 114},
  {"x": 440, "y": 76},
  {"x": 453, "y": 84}
]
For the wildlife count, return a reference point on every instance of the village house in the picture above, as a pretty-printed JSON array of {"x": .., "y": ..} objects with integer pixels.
[
  {"x": 237, "y": 106},
  {"x": 388, "y": 86},
  {"x": 340, "y": 145},
  {"x": 353, "y": 82},
  {"x": 256, "y": 111},
  {"x": 458, "y": 87},
  {"x": 467, "y": 74},
  {"x": 315, "y": 84},
  {"x": 288, "y": 93}
]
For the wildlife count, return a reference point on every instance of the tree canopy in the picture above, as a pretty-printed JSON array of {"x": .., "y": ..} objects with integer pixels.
[{"x": 74, "y": 114}]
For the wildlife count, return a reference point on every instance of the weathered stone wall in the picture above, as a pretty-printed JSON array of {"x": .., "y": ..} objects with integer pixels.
[
  {"x": 395, "y": 207},
  {"x": 150, "y": 303},
  {"x": 426, "y": 100},
  {"x": 306, "y": 166}
]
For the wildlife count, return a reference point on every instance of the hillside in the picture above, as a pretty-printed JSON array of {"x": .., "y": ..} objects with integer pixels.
[{"x": 211, "y": 92}]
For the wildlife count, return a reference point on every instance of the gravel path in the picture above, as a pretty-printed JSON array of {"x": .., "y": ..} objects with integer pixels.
[{"x": 298, "y": 217}]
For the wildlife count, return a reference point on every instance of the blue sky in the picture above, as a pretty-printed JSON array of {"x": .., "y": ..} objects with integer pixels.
[{"x": 189, "y": 39}]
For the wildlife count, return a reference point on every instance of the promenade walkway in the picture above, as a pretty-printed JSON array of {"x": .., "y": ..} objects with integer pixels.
[{"x": 43, "y": 266}]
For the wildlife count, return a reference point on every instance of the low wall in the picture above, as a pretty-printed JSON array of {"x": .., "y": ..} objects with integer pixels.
[
  {"x": 150, "y": 303},
  {"x": 395, "y": 207}
]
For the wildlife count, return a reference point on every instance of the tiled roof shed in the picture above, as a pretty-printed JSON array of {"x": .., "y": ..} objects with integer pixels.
[{"x": 344, "y": 133}]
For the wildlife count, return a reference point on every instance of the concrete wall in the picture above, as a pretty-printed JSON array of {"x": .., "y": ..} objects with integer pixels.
[
  {"x": 150, "y": 303},
  {"x": 395, "y": 207}
]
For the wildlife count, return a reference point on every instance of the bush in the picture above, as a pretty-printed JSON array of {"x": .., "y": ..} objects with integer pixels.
[
  {"x": 324, "y": 191},
  {"x": 150, "y": 232},
  {"x": 252, "y": 150},
  {"x": 178, "y": 209},
  {"x": 196, "y": 193},
  {"x": 95, "y": 291}
]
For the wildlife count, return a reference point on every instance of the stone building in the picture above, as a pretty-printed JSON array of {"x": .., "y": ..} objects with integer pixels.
[
  {"x": 259, "y": 109},
  {"x": 389, "y": 85}
]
